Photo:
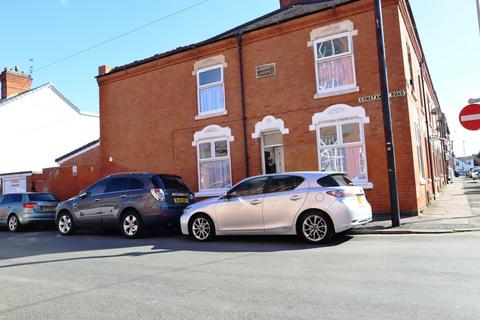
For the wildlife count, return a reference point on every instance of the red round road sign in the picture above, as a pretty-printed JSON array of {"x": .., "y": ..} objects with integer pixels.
[{"x": 470, "y": 117}]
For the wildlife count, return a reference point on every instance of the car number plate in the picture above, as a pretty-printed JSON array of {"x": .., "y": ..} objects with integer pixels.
[
  {"x": 180, "y": 200},
  {"x": 359, "y": 199},
  {"x": 48, "y": 209}
]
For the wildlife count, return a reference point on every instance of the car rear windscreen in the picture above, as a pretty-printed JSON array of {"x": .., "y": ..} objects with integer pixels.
[
  {"x": 42, "y": 197},
  {"x": 170, "y": 182},
  {"x": 335, "y": 180}
]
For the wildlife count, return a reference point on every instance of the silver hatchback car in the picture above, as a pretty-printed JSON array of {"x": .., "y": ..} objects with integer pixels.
[
  {"x": 312, "y": 205},
  {"x": 17, "y": 209}
]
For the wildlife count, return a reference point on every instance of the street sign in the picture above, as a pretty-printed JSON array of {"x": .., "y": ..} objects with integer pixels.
[{"x": 470, "y": 117}]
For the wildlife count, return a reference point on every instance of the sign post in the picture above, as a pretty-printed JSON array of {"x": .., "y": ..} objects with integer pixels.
[{"x": 470, "y": 117}]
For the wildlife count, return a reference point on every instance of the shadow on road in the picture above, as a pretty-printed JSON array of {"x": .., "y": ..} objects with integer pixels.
[{"x": 40, "y": 242}]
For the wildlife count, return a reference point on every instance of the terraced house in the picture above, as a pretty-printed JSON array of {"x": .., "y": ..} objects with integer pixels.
[{"x": 294, "y": 90}]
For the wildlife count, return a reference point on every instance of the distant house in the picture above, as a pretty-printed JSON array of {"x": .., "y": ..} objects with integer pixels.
[
  {"x": 36, "y": 125},
  {"x": 463, "y": 164}
]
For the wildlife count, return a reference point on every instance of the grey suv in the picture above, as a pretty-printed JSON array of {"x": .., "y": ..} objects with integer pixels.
[
  {"x": 17, "y": 209},
  {"x": 130, "y": 201}
]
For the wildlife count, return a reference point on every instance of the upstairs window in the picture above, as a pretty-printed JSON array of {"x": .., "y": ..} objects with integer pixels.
[
  {"x": 211, "y": 90},
  {"x": 334, "y": 63}
]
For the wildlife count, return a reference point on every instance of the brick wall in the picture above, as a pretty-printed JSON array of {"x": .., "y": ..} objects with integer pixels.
[
  {"x": 63, "y": 183},
  {"x": 89, "y": 157}
]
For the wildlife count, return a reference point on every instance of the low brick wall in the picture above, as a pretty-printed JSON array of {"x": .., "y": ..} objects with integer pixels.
[{"x": 63, "y": 181}]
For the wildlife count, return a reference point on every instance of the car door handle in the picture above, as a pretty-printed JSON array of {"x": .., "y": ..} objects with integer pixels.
[
  {"x": 123, "y": 196},
  {"x": 256, "y": 201},
  {"x": 97, "y": 200},
  {"x": 296, "y": 197}
]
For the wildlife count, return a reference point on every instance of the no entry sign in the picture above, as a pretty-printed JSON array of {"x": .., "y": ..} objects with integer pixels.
[{"x": 470, "y": 117}]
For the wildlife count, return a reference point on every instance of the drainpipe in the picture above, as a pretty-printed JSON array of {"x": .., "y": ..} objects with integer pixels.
[
  {"x": 429, "y": 145},
  {"x": 242, "y": 93}
]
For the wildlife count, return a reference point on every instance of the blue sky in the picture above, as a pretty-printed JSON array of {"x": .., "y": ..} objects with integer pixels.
[{"x": 52, "y": 29}]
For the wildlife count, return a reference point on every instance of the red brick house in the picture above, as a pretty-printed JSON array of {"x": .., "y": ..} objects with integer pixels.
[{"x": 296, "y": 89}]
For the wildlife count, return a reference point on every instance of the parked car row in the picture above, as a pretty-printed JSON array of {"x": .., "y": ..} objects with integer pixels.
[
  {"x": 474, "y": 173},
  {"x": 312, "y": 205}
]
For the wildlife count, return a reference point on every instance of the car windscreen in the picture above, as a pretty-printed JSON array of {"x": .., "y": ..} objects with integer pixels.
[
  {"x": 169, "y": 182},
  {"x": 335, "y": 180},
  {"x": 42, "y": 197}
]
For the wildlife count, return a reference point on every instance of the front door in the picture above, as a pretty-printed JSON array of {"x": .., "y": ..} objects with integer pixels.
[
  {"x": 272, "y": 152},
  {"x": 241, "y": 209}
]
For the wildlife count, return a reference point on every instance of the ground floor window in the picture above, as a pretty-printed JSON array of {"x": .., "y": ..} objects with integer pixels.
[
  {"x": 341, "y": 141},
  {"x": 214, "y": 165},
  {"x": 213, "y": 160},
  {"x": 341, "y": 148}
]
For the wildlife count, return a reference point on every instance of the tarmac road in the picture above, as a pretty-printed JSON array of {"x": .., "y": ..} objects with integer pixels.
[{"x": 103, "y": 276}]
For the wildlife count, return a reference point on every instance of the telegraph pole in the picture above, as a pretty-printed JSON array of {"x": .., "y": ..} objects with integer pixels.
[
  {"x": 478, "y": 13},
  {"x": 387, "y": 116}
]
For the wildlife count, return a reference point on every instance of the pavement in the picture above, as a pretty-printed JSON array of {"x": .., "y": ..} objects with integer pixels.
[{"x": 456, "y": 209}]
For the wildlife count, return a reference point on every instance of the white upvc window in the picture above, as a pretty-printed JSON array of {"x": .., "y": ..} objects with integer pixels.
[
  {"x": 214, "y": 169},
  {"x": 213, "y": 160},
  {"x": 341, "y": 147},
  {"x": 418, "y": 138},
  {"x": 211, "y": 90},
  {"x": 340, "y": 136},
  {"x": 334, "y": 64}
]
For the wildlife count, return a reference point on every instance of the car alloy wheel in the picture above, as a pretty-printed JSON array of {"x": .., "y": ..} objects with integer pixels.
[
  {"x": 65, "y": 224},
  {"x": 13, "y": 223},
  {"x": 130, "y": 225},
  {"x": 202, "y": 228},
  {"x": 315, "y": 228}
]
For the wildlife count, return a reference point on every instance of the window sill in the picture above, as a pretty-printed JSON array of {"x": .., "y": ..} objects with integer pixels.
[
  {"x": 210, "y": 115},
  {"x": 364, "y": 184},
  {"x": 210, "y": 193},
  {"x": 336, "y": 93}
]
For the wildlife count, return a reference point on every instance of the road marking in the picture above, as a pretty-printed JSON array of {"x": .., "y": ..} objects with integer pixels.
[{"x": 470, "y": 117}]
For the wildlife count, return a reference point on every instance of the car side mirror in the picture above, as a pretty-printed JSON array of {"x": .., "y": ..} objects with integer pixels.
[{"x": 84, "y": 194}]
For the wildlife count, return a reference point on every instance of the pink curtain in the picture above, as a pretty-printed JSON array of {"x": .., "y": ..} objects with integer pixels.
[{"x": 335, "y": 73}]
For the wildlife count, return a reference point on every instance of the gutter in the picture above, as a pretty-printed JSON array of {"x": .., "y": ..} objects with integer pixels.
[{"x": 242, "y": 93}]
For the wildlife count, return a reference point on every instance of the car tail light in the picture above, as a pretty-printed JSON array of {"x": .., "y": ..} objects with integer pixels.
[
  {"x": 158, "y": 194},
  {"x": 342, "y": 193},
  {"x": 29, "y": 205}
]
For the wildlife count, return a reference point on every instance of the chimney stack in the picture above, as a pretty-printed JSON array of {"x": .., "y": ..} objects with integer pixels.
[
  {"x": 288, "y": 3},
  {"x": 14, "y": 81},
  {"x": 104, "y": 69}
]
